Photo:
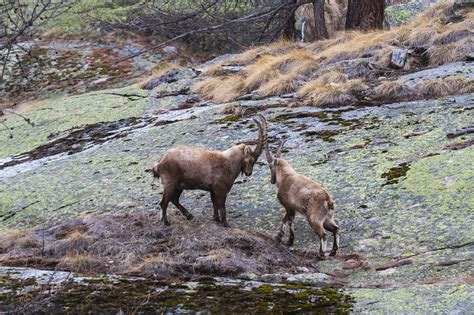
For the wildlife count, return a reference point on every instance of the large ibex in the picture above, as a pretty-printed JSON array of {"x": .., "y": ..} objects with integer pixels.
[
  {"x": 185, "y": 168},
  {"x": 298, "y": 193}
]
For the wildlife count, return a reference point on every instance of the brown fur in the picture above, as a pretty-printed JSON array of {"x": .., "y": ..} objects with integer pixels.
[
  {"x": 298, "y": 193},
  {"x": 188, "y": 168}
]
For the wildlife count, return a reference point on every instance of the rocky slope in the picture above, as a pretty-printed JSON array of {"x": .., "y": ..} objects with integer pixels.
[{"x": 400, "y": 174}]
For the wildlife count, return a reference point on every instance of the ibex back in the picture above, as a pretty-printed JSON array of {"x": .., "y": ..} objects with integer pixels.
[{"x": 185, "y": 167}]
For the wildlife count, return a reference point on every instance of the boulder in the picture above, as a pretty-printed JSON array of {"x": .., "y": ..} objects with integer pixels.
[{"x": 399, "y": 57}]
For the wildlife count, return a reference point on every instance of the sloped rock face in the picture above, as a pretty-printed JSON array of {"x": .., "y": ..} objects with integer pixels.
[{"x": 403, "y": 189}]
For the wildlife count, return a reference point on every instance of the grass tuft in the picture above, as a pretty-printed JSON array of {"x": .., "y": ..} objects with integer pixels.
[
  {"x": 81, "y": 263},
  {"x": 393, "y": 90}
]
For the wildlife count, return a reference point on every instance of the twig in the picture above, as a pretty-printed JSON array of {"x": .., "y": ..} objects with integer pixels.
[{"x": 246, "y": 19}]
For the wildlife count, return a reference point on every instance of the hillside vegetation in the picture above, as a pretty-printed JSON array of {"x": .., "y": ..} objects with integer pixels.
[{"x": 341, "y": 70}]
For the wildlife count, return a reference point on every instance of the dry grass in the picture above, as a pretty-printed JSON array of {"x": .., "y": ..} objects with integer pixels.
[
  {"x": 23, "y": 107},
  {"x": 442, "y": 54},
  {"x": 78, "y": 242},
  {"x": 137, "y": 243},
  {"x": 285, "y": 67},
  {"x": 393, "y": 90},
  {"x": 157, "y": 265},
  {"x": 446, "y": 86},
  {"x": 15, "y": 237},
  {"x": 217, "y": 255},
  {"x": 274, "y": 48},
  {"x": 398, "y": 90},
  {"x": 81, "y": 263},
  {"x": 333, "y": 95},
  {"x": 281, "y": 84},
  {"x": 331, "y": 89},
  {"x": 221, "y": 90},
  {"x": 315, "y": 86},
  {"x": 160, "y": 69},
  {"x": 8, "y": 235}
]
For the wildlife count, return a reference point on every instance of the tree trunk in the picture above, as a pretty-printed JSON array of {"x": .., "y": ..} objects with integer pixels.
[
  {"x": 320, "y": 30},
  {"x": 365, "y": 14},
  {"x": 289, "y": 30}
]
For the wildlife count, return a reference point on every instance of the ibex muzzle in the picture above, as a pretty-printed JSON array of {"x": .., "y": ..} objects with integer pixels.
[{"x": 187, "y": 168}]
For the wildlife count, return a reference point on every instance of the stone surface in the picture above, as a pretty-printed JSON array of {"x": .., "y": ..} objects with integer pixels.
[
  {"x": 397, "y": 197},
  {"x": 171, "y": 76},
  {"x": 461, "y": 69},
  {"x": 398, "y": 59}
]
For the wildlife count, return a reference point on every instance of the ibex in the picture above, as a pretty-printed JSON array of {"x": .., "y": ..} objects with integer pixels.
[
  {"x": 297, "y": 193},
  {"x": 185, "y": 168}
]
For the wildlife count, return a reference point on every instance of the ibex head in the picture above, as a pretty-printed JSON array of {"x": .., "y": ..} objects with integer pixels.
[
  {"x": 251, "y": 156},
  {"x": 273, "y": 161}
]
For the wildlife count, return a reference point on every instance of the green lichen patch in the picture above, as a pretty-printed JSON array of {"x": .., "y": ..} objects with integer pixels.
[{"x": 438, "y": 298}]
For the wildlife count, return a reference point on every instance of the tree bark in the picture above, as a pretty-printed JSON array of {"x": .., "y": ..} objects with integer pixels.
[
  {"x": 320, "y": 30},
  {"x": 365, "y": 14},
  {"x": 289, "y": 30}
]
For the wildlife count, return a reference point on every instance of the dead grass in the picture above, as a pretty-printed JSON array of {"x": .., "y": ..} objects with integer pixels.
[
  {"x": 81, "y": 263},
  {"x": 442, "y": 54},
  {"x": 398, "y": 90},
  {"x": 221, "y": 90},
  {"x": 16, "y": 238},
  {"x": 8, "y": 235},
  {"x": 281, "y": 84},
  {"x": 137, "y": 243},
  {"x": 160, "y": 69},
  {"x": 78, "y": 242},
  {"x": 285, "y": 67},
  {"x": 331, "y": 89},
  {"x": 447, "y": 86},
  {"x": 393, "y": 90},
  {"x": 315, "y": 86},
  {"x": 23, "y": 107},
  {"x": 333, "y": 95}
]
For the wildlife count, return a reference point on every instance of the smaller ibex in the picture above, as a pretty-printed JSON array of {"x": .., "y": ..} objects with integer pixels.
[
  {"x": 188, "y": 168},
  {"x": 298, "y": 193}
]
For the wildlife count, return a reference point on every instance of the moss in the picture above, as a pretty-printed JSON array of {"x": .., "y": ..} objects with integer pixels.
[
  {"x": 395, "y": 173},
  {"x": 264, "y": 288},
  {"x": 128, "y": 295},
  {"x": 227, "y": 119}
]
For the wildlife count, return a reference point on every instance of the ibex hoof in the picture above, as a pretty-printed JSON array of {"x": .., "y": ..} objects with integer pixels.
[
  {"x": 189, "y": 217},
  {"x": 217, "y": 219},
  {"x": 333, "y": 253},
  {"x": 225, "y": 224},
  {"x": 165, "y": 221}
]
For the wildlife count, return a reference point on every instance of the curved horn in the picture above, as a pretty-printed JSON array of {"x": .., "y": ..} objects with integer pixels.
[
  {"x": 280, "y": 147},
  {"x": 262, "y": 136},
  {"x": 268, "y": 154}
]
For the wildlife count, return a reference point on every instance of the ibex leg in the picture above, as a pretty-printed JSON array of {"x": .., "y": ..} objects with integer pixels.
[
  {"x": 332, "y": 227},
  {"x": 216, "y": 208},
  {"x": 180, "y": 207},
  {"x": 165, "y": 200}
]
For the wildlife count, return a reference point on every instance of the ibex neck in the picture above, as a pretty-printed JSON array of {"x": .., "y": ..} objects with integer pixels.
[
  {"x": 235, "y": 157},
  {"x": 283, "y": 171}
]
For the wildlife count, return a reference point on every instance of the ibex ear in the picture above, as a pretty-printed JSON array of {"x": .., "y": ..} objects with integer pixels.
[{"x": 247, "y": 150}]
